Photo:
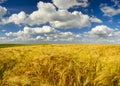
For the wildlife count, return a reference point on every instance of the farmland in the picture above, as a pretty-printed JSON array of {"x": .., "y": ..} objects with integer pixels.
[{"x": 60, "y": 65}]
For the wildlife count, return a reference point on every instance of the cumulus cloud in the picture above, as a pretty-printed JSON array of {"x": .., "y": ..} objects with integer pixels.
[
  {"x": 68, "y": 20},
  {"x": 66, "y": 4},
  {"x": 101, "y": 34},
  {"x": 44, "y": 14},
  {"x": 110, "y": 11},
  {"x": 94, "y": 19},
  {"x": 47, "y": 13},
  {"x": 3, "y": 11},
  {"x": 31, "y": 34},
  {"x": 102, "y": 31},
  {"x": 28, "y": 32},
  {"x": 16, "y": 18},
  {"x": 59, "y": 18},
  {"x": 45, "y": 33},
  {"x": 98, "y": 34}
]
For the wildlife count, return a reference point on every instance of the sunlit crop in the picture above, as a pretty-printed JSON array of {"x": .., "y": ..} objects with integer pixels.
[{"x": 60, "y": 65}]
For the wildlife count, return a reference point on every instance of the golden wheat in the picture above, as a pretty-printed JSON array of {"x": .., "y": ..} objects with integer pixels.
[{"x": 60, "y": 65}]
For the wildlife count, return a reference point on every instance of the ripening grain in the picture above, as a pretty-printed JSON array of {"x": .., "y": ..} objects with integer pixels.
[{"x": 60, "y": 65}]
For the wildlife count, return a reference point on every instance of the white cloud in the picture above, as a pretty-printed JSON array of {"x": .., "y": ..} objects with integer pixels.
[
  {"x": 116, "y": 2},
  {"x": 66, "y": 4},
  {"x": 27, "y": 31},
  {"x": 16, "y": 18},
  {"x": 2, "y": 1},
  {"x": 3, "y": 30},
  {"x": 110, "y": 11},
  {"x": 44, "y": 14},
  {"x": 98, "y": 34},
  {"x": 68, "y": 20},
  {"x": 4, "y": 40},
  {"x": 47, "y": 13},
  {"x": 59, "y": 19},
  {"x": 45, "y": 33},
  {"x": 101, "y": 34},
  {"x": 3, "y": 11},
  {"x": 102, "y": 31},
  {"x": 31, "y": 33},
  {"x": 94, "y": 19}
]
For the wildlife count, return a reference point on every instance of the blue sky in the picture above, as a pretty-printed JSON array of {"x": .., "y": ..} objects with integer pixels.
[{"x": 60, "y": 21}]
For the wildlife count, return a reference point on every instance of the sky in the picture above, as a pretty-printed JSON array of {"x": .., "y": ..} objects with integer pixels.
[{"x": 60, "y": 21}]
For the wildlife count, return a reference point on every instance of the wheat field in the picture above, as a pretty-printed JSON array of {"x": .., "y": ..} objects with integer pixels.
[{"x": 60, "y": 65}]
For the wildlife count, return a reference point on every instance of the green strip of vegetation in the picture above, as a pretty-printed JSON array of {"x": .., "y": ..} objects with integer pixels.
[
  {"x": 11, "y": 45},
  {"x": 15, "y": 45}
]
